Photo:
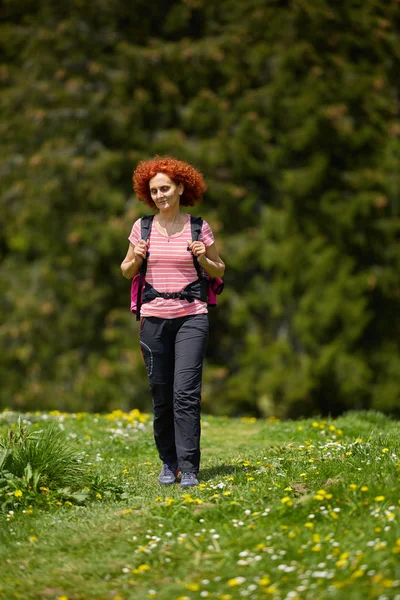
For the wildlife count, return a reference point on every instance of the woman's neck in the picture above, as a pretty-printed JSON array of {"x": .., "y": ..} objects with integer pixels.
[{"x": 169, "y": 217}]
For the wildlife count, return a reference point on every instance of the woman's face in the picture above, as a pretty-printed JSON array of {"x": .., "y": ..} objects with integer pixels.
[{"x": 164, "y": 192}]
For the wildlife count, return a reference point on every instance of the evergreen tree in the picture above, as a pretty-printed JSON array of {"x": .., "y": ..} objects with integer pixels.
[{"x": 291, "y": 111}]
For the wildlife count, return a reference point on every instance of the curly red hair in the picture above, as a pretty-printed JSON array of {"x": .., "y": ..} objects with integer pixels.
[{"x": 177, "y": 170}]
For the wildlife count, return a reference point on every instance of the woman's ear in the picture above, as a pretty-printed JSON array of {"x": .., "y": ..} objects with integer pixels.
[{"x": 180, "y": 189}]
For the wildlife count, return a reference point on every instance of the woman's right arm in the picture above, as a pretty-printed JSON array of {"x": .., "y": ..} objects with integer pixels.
[{"x": 133, "y": 259}]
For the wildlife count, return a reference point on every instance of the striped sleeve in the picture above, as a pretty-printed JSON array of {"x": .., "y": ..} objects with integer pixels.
[
  {"x": 135, "y": 236},
  {"x": 206, "y": 236}
]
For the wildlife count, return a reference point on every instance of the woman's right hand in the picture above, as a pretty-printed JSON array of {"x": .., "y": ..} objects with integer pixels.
[{"x": 140, "y": 251}]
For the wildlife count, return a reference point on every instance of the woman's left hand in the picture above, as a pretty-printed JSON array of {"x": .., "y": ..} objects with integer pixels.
[{"x": 198, "y": 249}]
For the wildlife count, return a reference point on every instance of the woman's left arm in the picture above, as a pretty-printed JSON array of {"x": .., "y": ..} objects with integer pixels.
[{"x": 208, "y": 258}]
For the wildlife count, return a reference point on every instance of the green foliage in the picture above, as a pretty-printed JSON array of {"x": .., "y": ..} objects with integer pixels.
[
  {"x": 42, "y": 468},
  {"x": 291, "y": 112}
]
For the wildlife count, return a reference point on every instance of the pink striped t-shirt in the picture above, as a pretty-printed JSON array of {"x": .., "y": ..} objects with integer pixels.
[{"x": 170, "y": 268}]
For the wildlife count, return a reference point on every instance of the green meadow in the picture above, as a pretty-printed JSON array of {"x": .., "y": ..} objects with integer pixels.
[{"x": 286, "y": 510}]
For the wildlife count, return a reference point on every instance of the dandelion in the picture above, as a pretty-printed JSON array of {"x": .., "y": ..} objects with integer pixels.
[
  {"x": 187, "y": 498},
  {"x": 271, "y": 589},
  {"x": 18, "y": 494},
  {"x": 379, "y": 498},
  {"x": 357, "y": 574},
  {"x": 193, "y": 587},
  {"x": 287, "y": 500},
  {"x": 235, "y": 581},
  {"x": 141, "y": 569},
  {"x": 396, "y": 549}
]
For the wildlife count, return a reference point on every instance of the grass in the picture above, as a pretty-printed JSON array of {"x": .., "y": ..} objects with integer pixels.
[{"x": 286, "y": 510}]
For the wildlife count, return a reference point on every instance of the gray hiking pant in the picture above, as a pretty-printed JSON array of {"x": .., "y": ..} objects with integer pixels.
[{"x": 173, "y": 351}]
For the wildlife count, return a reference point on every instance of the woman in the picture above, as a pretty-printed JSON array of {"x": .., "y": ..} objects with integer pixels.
[{"x": 173, "y": 331}]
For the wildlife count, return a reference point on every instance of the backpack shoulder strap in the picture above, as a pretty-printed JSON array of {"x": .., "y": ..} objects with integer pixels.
[
  {"x": 196, "y": 223},
  {"x": 145, "y": 226}
]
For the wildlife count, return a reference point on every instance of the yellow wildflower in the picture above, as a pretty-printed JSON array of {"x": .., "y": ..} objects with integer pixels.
[
  {"x": 18, "y": 494},
  {"x": 235, "y": 581},
  {"x": 141, "y": 569},
  {"x": 271, "y": 589},
  {"x": 357, "y": 574},
  {"x": 187, "y": 498}
]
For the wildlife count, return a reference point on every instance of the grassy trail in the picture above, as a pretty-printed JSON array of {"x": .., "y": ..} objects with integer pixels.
[{"x": 286, "y": 510}]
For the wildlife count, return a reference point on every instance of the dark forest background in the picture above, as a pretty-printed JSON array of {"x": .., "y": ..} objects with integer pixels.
[{"x": 291, "y": 111}]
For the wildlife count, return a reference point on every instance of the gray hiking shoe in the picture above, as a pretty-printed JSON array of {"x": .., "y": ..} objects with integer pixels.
[
  {"x": 168, "y": 474},
  {"x": 189, "y": 479}
]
